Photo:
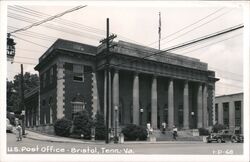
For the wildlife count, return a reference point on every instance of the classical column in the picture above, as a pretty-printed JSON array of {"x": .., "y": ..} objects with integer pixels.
[
  {"x": 185, "y": 106},
  {"x": 50, "y": 115},
  {"x": 199, "y": 106},
  {"x": 170, "y": 104},
  {"x": 136, "y": 99},
  {"x": 231, "y": 115},
  {"x": 220, "y": 113},
  {"x": 105, "y": 96},
  {"x": 154, "y": 103},
  {"x": 204, "y": 103},
  {"x": 115, "y": 95}
]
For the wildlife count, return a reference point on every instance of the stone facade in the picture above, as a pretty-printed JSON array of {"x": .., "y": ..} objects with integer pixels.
[{"x": 166, "y": 87}]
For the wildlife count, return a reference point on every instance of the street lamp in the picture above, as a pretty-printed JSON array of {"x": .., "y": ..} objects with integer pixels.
[
  {"x": 192, "y": 116},
  {"x": 141, "y": 111},
  {"x": 116, "y": 124}
]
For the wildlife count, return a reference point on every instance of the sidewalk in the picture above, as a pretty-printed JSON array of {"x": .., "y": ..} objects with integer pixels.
[{"x": 52, "y": 138}]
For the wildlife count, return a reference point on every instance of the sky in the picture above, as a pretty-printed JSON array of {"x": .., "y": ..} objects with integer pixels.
[{"x": 137, "y": 24}]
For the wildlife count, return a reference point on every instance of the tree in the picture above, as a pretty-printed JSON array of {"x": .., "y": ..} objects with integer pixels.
[
  {"x": 13, "y": 89},
  {"x": 99, "y": 126},
  {"x": 82, "y": 124}
]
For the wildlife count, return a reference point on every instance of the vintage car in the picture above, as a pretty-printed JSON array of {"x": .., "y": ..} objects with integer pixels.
[
  {"x": 237, "y": 137},
  {"x": 225, "y": 135},
  {"x": 215, "y": 137}
]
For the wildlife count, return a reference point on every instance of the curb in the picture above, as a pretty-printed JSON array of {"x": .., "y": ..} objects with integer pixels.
[{"x": 126, "y": 143}]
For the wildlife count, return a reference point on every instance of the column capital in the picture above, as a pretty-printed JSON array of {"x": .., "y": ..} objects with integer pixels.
[
  {"x": 116, "y": 70},
  {"x": 136, "y": 73},
  {"x": 155, "y": 76}
]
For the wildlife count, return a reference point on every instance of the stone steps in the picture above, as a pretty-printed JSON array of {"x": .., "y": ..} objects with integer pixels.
[{"x": 183, "y": 135}]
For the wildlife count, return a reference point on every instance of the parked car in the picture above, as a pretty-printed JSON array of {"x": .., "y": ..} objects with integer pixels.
[
  {"x": 9, "y": 127},
  {"x": 226, "y": 135},
  {"x": 237, "y": 137},
  {"x": 215, "y": 137}
]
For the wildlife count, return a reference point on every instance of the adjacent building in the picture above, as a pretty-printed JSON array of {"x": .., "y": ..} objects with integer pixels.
[
  {"x": 229, "y": 110},
  {"x": 162, "y": 87}
]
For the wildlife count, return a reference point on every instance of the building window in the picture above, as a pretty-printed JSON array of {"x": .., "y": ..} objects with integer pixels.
[
  {"x": 226, "y": 113},
  {"x": 44, "y": 80},
  {"x": 237, "y": 105},
  {"x": 216, "y": 112},
  {"x": 51, "y": 75},
  {"x": 77, "y": 107},
  {"x": 78, "y": 71}
]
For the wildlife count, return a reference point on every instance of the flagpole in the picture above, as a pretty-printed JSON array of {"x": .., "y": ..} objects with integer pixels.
[{"x": 159, "y": 30}]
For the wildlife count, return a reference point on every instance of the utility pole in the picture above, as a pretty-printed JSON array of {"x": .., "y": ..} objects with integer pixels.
[
  {"x": 22, "y": 107},
  {"x": 107, "y": 40}
]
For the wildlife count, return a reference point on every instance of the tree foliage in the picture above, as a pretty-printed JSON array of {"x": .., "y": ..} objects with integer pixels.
[
  {"x": 62, "y": 127},
  {"x": 82, "y": 124},
  {"x": 13, "y": 89},
  {"x": 134, "y": 132},
  {"x": 99, "y": 126}
]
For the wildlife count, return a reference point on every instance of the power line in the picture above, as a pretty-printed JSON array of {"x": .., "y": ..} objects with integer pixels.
[
  {"x": 150, "y": 55},
  {"x": 33, "y": 33},
  {"x": 198, "y": 26},
  {"x": 189, "y": 25},
  {"x": 209, "y": 36},
  {"x": 20, "y": 62},
  {"x": 27, "y": 58},
  {"x": 30, "y": 41},
  {"x": 48, "y": 19},
  {"x": 225, "y": 71},
  {"x": 29, "y": 50},
  {"x": 213, "y": 43},
  {"x": 56, "y": 27},
  {"x": 59, "y": 20},
  {"x": 66, "y": 22}
]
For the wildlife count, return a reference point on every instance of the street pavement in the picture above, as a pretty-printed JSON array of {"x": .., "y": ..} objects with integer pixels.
[{"x": 40, "y": 145}]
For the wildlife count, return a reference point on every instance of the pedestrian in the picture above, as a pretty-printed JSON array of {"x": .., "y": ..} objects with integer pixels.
[
  {"x": 174, "y": 133},
  {"x": 148, "y": 129},
  {"x": 19, "y": 132},
  {"x": 163, "y": 127}
]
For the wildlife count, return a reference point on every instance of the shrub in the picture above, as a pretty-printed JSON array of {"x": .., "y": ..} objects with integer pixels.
[
  {"x": 99, "y": 126},
  {"x": 62, "y": 127},
  {"x": 134, "y": 132},
  {"x": 203, "y": 132},
  {"x": 82, "y": 124},
  {"x": 217, "y": 127}
]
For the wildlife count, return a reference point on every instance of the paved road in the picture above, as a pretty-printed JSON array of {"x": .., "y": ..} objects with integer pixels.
[{"x": 41, "y": 147}]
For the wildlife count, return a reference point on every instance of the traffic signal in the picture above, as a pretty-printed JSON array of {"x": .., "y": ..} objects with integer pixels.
[{"x": 10, "y": 47}]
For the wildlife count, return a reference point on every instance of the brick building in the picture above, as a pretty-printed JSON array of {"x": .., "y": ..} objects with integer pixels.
[
  {"x": 229, "y": 110},
  {"x": 167, "y": 88}
]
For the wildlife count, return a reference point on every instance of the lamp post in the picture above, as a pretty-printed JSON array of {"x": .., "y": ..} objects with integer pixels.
[
  {"x": 141, "y": 111},
  {"x": 116, "y": 124},
  {"x": 192, "y": 117}
]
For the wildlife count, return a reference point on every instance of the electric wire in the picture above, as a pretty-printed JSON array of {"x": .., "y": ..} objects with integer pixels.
[
  {"x": 30, "y": 41},
  {"x": 234, "y": 36},
  {"x": 197, "y": 27},
  {"x": 188, "y": 25},
  {"x": 48, "y": 19},
  {"x": 66, "y": 22}
]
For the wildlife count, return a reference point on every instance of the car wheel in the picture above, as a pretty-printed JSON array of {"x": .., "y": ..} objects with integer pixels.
[{"x": 219, "y": 140}]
